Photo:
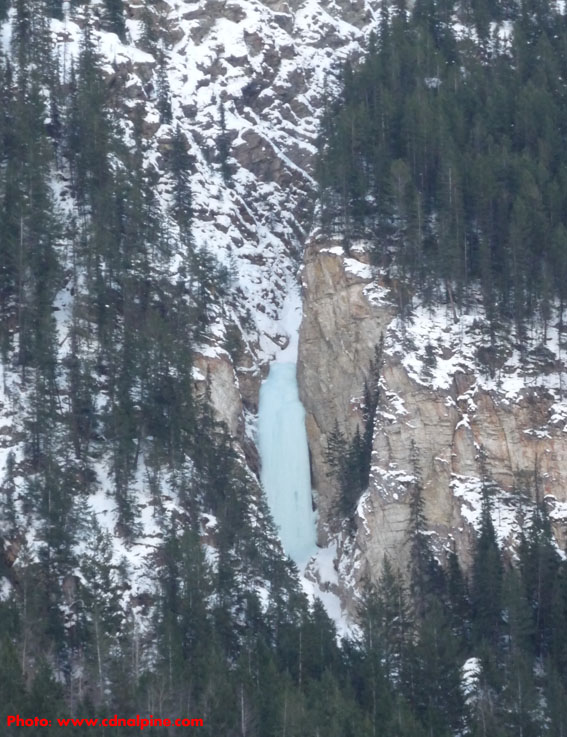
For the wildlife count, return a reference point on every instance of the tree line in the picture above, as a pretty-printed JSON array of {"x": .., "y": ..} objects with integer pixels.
[{"x": 446, "y": 149}]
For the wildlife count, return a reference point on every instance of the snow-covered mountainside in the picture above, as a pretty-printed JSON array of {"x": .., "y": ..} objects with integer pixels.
[
  {"x": 164, "y": 249},
  {"x": 244, "y": 83},
  {"x": 267, "y": 70}
]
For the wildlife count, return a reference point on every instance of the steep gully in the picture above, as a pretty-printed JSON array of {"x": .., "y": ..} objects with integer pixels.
[{"x": 284, "y": 454}]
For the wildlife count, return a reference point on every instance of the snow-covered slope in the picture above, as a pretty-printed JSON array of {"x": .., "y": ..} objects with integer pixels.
[
  {"x": 270, "y": 66},
  {"x": 257, "y": 75}
]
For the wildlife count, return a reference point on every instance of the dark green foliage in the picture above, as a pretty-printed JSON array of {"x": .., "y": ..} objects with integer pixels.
[
  {"x": 457, "y": 597},
  {"x": 115, "y": 17},
  {"x": 450, "y": 156},
  {"x": 349, "y": 460},
  {"x": 149, "y": 37},
  {"x": 55, "y": 8},
  {"x": 438, "y": 694},
  {"x": 180, "y": 166},
  {"x": 387, "y": 624},
  {"x": 540, "y": 566},
  {"x": 29, "y": 226},
  {"x": 486, "y": 588},
  {"x": 11, "y": 677},
  {"x": 347, "y": 464},
  {"x": 163, "y": 93},
  {"x": 421, "y": 558},
  {"x": 422, "y": 654},
  {"x": 223, "y": 146}
]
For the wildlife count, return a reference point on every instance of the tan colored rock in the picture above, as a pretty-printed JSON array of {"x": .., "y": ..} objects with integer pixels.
[
  {"x": 341, "y": 326},
  {"x": 338, "y": 336},
  {"x": 225, "y": 393}
]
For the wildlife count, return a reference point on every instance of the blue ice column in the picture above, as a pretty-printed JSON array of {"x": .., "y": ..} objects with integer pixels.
[{"x": 286, "y": 478}]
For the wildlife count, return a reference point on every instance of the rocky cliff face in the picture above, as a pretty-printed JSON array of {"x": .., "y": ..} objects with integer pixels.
[
  {"x": 470, "y": 422},
  {"x": 244, "y": 83},
  {"x": 258, "y": 74},
  {"x": 339, "y": 332},
  {"x": 271, "y": 66}
]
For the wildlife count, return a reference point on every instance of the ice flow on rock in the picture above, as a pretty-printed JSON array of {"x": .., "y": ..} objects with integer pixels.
[{"x": 286, "y": 478}]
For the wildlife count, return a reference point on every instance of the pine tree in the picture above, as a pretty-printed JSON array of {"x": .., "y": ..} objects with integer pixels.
[
  {"x": 438, "y": 694},
  {"x": 223, "y": 146},
  {"x": 163, "y": 94},
  {"x": 180, "y": 169},
  {"x": 390, "y": 627},
  {"x": 425, "y": 573},
  {"x": 115, "y": 17},
  {"x": 458, "y": 599},
  {"x": 539, "y": 565},
  {"x": 420, "y": 162},
  {"x": 100, "y": 611},
  {"x": 12, "y": 684},
  {"x": 486, "y": 587}
]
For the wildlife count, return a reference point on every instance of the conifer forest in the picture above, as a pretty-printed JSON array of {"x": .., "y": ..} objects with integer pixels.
[{"x": 441, "y": 143}]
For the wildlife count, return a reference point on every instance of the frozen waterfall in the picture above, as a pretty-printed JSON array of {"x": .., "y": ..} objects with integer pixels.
[{"x": 286, "y": 477}]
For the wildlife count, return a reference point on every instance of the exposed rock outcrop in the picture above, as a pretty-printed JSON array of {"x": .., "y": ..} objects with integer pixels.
[
  {"x": 466, "y": 426},
  {"x": 338, "y": 335}
]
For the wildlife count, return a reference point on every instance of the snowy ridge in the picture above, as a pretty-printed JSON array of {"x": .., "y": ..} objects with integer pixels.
[
  {"x": 272, "y": 70},
  {"x": 435, "y": 343}
]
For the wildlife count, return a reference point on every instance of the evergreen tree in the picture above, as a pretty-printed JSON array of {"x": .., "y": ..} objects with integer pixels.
[
  {"x": 163, "y": 94},
  {"x": 441, "y": 173},
  {"x": 487, "y": 574},
  {"x": 425, "y": 573},
  {"x": 458, "y": 598},
  {"x": 438, "y": 690},
  {"x": 539, "y": 565},
  {"x": 100, "y": 612},
  {"x": 115, "y": 17},
  {"x": 180, "y": 170},
  {"x": 223, "y": 146},
  {"x": 55, "y": 8}
]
